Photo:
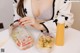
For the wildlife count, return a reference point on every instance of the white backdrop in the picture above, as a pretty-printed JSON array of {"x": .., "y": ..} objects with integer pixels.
[{"x": 6, "y": 12}]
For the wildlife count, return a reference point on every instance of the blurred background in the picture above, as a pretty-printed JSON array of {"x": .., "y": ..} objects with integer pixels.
[
  {"x": 6, "y": 14},
  {"x": 76, "y": 11}
]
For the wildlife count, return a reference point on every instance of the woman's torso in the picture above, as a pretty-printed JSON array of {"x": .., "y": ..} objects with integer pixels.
[
  {"x": 39, "y": 6},
  {"x": 42, "y": 9}
]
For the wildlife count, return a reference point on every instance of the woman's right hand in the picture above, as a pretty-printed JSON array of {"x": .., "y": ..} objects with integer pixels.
[{"x": 13, "y": 25}]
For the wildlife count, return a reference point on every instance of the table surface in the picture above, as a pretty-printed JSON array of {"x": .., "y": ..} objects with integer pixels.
[{"x": 72, "y": 44}]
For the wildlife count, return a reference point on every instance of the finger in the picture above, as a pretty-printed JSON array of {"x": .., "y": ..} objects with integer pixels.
[
  {"x": 27, "y": 22},
  {"x": 16, "y": 24},
  {"x": 10, "y": 29},
  {"x": 24, "y": 19}
]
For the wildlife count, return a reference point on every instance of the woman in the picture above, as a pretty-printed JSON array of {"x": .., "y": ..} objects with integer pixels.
[{"x": 43, "y": 15}]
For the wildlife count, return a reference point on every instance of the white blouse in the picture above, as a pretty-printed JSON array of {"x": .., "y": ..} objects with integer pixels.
[{"x": 62, "y": 7}]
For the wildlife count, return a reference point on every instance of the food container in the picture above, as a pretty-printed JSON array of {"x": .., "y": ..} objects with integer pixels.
[
  {"x": 45, "y": 43},
  {"x": 21, "y": 36}
]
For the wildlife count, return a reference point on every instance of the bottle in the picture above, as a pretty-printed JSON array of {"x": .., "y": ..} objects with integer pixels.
[{"x": 60, "y": 32}]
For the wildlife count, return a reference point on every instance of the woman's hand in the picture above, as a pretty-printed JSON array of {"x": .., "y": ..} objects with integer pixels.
[
  {"x": 13, "y": 25},
  {"x": 27, "y": 21},
  {"x": 32, "y": 22}
]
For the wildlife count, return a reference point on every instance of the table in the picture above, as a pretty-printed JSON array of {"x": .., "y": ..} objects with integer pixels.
[{"x": 72, "y": 44}]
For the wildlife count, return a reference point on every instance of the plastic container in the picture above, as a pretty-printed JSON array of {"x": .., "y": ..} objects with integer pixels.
[
  {"x": 45, "y": 43},
  {"x": 22, "y": 37}
]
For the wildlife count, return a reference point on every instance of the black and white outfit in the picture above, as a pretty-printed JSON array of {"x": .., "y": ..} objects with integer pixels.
[{"x": 59, "y": 10}]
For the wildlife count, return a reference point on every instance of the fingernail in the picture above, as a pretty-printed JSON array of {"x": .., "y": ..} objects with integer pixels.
[
  {"x": 25, "y": 20},
  {"x": 20, "y": 23}
]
